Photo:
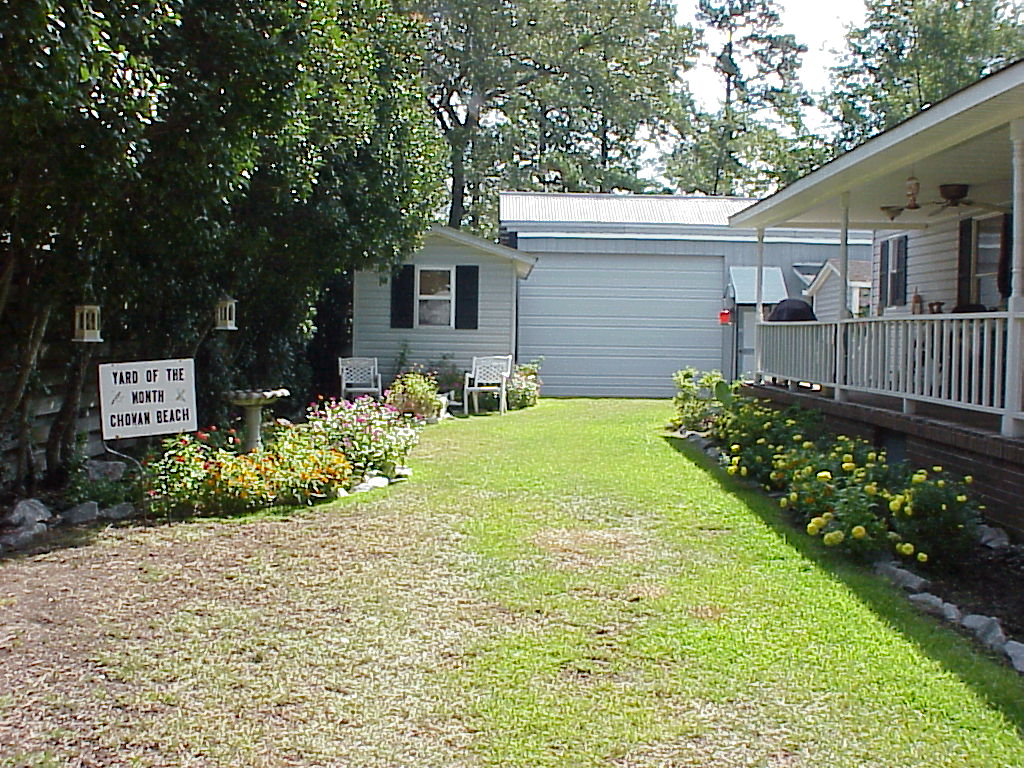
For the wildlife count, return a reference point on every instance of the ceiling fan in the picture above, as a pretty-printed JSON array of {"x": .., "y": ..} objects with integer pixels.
[{"x": 953, "y": 196}]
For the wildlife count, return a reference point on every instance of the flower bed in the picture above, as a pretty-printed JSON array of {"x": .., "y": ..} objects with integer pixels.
[
  {"x": 340, "y": 443},
  {"x": 839, "y": 489}
]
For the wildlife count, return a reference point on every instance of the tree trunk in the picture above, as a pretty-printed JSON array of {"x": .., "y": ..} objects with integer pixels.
[
  {"x": 60, "y": 445},
  {"x": 457, "y": 211},
  {"x": 28, "y": 362}
]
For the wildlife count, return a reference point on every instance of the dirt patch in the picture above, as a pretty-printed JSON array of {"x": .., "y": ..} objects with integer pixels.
[
  {"x": 586, "y": 548},
  {"x": 986, "y": 581}
]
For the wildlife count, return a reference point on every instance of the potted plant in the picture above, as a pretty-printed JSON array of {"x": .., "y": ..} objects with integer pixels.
[{"x": 416, "y": 393}]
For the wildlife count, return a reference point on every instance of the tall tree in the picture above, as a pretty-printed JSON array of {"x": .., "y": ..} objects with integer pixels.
[
  {"x": 912, "y": 53},
  {"x": 756, "y": 139},
  {"x": 528, "y": 91}
]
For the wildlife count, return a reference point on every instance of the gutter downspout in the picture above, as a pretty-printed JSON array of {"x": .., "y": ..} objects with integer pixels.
[{"x": 1012, "y": 425}]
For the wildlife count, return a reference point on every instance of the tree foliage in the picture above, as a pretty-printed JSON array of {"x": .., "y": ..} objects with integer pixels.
[
  {"x": 155, "y": 155},
  {"x": 756, "y": 140},
  {"x": 912, "y": 53},
  {"x": 534, "y": 94}
]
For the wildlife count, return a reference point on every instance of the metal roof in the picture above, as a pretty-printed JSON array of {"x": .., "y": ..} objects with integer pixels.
[
  {"x": 743, "y": 285},
  {"x": 619, "y": 209}
]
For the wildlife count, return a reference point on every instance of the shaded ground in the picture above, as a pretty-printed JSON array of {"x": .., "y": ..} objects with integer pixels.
[{"x": 990, "y": 582}]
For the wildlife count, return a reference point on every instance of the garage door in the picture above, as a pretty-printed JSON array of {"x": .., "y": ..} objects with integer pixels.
[{"x": 620, "y": 325}]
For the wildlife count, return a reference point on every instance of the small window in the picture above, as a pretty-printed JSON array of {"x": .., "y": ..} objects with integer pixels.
[
  {"x": 988, "y": 246},
  {"x": 435, "y": 294},
  {"x": 893, "y": 272}
]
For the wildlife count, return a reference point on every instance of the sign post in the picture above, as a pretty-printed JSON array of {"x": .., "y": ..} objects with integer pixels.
[{"x": 148, "y": 397}]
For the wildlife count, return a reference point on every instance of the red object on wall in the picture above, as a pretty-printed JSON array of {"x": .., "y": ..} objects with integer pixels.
[{"x": 724, "y": 317}]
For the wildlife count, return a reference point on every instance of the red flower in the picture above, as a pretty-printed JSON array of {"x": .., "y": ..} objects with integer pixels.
[
  {"x": 213, "y": 428},
  {"x": 202, "y": 436}
]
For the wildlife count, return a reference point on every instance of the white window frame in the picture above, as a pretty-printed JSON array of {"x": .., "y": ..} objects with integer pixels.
[
  {"x": 976, "y": 276},
  {"x": 417, "y": 296}
]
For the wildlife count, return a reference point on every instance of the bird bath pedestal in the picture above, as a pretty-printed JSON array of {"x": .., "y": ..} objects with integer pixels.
[{"x": 252, "y": 402}]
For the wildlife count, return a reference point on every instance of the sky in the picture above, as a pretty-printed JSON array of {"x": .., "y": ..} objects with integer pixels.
[{"x": 818, "y": 24}]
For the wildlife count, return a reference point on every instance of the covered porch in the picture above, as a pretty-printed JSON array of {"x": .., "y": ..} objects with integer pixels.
[{"x": 944, "y": 194}]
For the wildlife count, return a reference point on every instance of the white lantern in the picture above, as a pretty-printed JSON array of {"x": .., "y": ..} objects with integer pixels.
[
  {"x": 87, "y": 323},
  {"x": 225, "y": 315}
]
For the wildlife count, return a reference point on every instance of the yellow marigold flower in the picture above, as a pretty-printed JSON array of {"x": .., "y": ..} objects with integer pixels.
[
  {"x": 922, "y": 557},
  {"x": 936, "y": 469},
  {"x": 783, "y": 502},
  {"x": 761, "y": 441},
  {"x": 895, "y": 504},
  {"x": 833, "y": 538},
  {"x": 906, "y": 548},
  {"x": 968, "y": 479},
  {"x": 940, "y": 483},
  {"x": 743, "y": 471},
  {"x": 797, "y": 438},
  {"x": 813, "y": 529},
  {"x": 849, "y": 466},
  {"x": 807, "y": 445},
  {"x": 858, "y": 532},
  {"x": 793, "y": 496},
  {"x": 872, "y": 456},
  {"x": 870, "y": 489},
  {"x": 824, "y": 475},
  {"x": 847, "y": 457},
  {"x": 828, "y": 516},
  {"x": 731, "y": 470},
  {"x": 821, "y": 522},
  {"x": 918, "y": 477},
  {"x": 735, "y": 448},
  {"x": 961, "y": 498}
]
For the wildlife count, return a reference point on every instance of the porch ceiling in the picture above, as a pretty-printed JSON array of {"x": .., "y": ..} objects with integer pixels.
[{"x": 964, "y": 139}]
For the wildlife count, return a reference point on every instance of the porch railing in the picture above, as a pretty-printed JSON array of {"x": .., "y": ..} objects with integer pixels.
[{"x": 957, "y": 360}]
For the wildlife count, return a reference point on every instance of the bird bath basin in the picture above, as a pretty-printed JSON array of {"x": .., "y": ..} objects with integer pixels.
[{"x": 251, "y": 401}]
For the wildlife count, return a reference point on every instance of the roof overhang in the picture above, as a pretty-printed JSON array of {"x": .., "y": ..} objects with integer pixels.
[
  {"x": 963, "y": 139},
  {"x": 523, "y": 262}
]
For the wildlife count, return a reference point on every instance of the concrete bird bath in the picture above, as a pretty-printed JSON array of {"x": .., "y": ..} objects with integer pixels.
[{"x": 252, "y": 401}]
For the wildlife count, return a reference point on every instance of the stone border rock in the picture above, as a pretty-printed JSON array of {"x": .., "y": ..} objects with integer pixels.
[
  {"x": 985, "y": 629},
  {"x": 30, "y": 518}
]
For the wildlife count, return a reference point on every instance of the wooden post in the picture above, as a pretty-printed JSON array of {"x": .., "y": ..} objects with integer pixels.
[
  {"x": 1014, "y": 427},
  {"x": 844, "y": 305},
  {"x": 759, "y": 311}
]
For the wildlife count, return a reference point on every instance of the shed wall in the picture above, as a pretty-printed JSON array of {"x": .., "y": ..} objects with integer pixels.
[{"x": 373, "y": 336}]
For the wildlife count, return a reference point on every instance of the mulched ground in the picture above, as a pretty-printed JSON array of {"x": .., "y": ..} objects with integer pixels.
[{"x": 990, "y": 582}]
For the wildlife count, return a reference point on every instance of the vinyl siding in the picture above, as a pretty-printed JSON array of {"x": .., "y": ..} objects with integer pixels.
[
  {"x": 373, "y": 336},
  {"x": 828, "y": 299},
  {"x": 931, "y": 266}
]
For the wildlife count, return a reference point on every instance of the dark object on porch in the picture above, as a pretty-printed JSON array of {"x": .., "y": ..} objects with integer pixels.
[
  {"x": 791, "y": 309},
  {"x": 965, "y": 308}
]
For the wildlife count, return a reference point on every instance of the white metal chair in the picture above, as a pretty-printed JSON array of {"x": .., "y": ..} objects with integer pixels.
[
  {"x": 359, "y": 375},
  {"x": 489, "y": 374}
]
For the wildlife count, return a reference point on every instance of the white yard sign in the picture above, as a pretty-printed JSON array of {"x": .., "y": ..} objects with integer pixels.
[{"x": 148, "y": 397}]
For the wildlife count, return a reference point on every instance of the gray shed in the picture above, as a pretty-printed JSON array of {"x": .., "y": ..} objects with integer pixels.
[
  {"x": 454, "y": 299},
  {"x": 627, "y": 288}
]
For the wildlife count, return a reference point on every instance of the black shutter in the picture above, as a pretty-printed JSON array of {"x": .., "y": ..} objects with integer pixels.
[
  {"x": 898, "y": 291},
  {"x": 963, "y": 264},
  {"x": 883, "y": 275},
  {"x": 403, "y": 282},
  {"x": 467, "y": 296},
  {"x": 1004, "y": 275}
]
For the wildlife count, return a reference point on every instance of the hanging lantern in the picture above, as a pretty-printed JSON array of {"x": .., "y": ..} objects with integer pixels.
[
  {"x": 87, "y": 323},
  {"x": 225, "y": 315},
  {"x": 725, "y": 316}
]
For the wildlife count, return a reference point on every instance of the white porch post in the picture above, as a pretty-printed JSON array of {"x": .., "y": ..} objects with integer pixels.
[
  {"x": 1014, "y": 427},
  {"x": 759, "y": 307},
  {"x": 844, "y": 307}
]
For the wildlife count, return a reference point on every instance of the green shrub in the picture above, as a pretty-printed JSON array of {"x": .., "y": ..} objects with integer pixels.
[
  {"x": 524, "y": 386},
  {"x": 696, "y": 402},
  {"x": 414, "y": 392}
]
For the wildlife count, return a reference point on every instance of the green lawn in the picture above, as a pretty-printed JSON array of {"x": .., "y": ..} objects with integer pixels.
[{"x": 564, "y": 586}]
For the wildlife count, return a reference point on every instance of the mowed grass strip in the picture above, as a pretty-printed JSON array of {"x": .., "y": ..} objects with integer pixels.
[
  {"x": 659, "y": 615},
  {"x": 564, "y": 586}
]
